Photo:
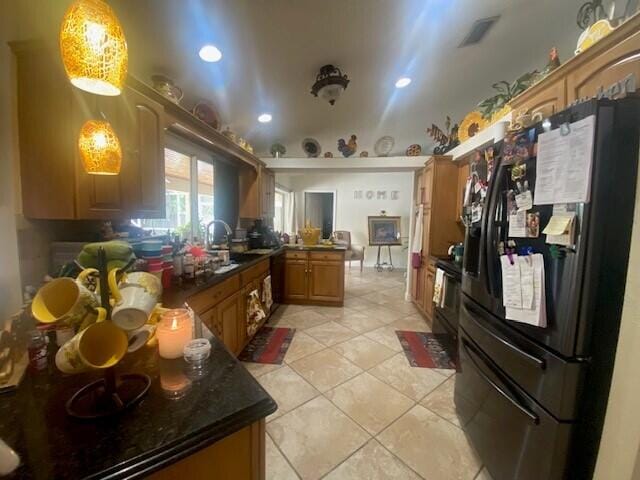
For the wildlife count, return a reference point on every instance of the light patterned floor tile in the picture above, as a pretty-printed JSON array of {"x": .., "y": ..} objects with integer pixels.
[
  {"x": 431, "y": 446},
  {"x": 287, "y": 388},
  {"x": 277, "y": 467},
  {"x": 333, "y": 313},
  {"x": 300, "y": 320},
  {"x": 370, "y": 402},
  {"x": 372, "y": 462},
  {"x": 331, "y": 333},
  {"x": 412, "y": 323},
  {"x": 384, "y": 314},
  {"x": 363, "y": 351},
  {"x": 325, "y": 369},
  {"x": 356, "y": 303},
  {"x": 440, "y": 401},
  {"x": 360, "y": 322},
  {"x": 258, "y": 369},
  {"x": 316, "y": 437},
  {"x": 385, "y": 336},
  {"x": 415, "y": 383},
  {"x": 484, "y": 475},
  {"x": 301, "y": 346},
  {"x": 376, "y": 298}
]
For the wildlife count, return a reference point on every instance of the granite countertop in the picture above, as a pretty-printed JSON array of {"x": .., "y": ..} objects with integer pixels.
[{"x": 156, "y": 432}]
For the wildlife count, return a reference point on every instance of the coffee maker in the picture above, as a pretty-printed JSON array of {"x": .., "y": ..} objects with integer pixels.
[{"x": 262, "y": 236}]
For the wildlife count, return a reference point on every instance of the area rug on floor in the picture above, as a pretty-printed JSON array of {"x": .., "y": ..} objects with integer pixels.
[
  {"x": 269, "y": 345},
  {"x": 428, "y": 350}
]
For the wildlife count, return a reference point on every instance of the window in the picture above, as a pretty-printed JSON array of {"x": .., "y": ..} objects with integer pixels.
[
  {"x": 278, "y": 219},
  {"x": 189, "y": 195}
]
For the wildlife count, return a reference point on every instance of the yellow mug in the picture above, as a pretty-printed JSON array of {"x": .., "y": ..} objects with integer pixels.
[
  {"x": 100, "y": 345},
  {"x": 64, "y": 300}
]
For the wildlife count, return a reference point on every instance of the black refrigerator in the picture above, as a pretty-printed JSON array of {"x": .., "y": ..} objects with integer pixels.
[{"x": 532, "y": 400}]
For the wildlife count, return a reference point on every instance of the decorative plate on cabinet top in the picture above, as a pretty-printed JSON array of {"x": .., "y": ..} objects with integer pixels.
[
  {"x": 414, "y": 150},
  {"x": 364, "y": 154},
  {"x": 383, "y": 146},
  {"x": 167, "y": 88},
  {"x": 311, "y": 147},
  {"x": 207, "y": 113},
  {"x": 328, "y": 155}
]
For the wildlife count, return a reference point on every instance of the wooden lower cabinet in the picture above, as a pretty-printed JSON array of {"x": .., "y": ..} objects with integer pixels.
[
  {"x": 229, "y": 316},
  {"x": 430, "y": 278},
  {"x": 240, "y": 456},
  {"x": 326, "y": 281},
  {"x": 295, "y": 280}
]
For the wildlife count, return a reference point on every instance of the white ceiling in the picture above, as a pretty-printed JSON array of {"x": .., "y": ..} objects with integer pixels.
[{"x": 272, "y": 50}]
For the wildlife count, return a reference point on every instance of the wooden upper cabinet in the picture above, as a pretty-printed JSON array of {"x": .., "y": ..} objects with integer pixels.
[
  {"x": 601, "y": 66},
  {"x": 249, "y": 192},
  {"x": 51, "y": 112},
  {"x": 268, "y": 186},
  {"x": 142, "y": 130},
  {"x": 326, "y": 281},
  {"x": 427, "y": 186}
]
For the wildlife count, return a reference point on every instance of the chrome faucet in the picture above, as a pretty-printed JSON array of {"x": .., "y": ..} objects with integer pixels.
[{"x": 227, "y": 229}]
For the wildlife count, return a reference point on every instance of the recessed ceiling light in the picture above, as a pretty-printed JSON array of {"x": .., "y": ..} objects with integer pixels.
[
  {"x": 210, "y": 53},
  {"x": 264, "y": 118},
  {"x": 403, "y": 82}
]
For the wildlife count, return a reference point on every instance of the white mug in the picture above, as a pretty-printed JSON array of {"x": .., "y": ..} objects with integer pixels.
[{"x": 134, "y": 302}]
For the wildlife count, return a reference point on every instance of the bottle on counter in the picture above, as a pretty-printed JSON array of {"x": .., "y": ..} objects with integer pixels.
[
  {"x": 37, "y": 350},
  {"x": 189, "y": 266}
]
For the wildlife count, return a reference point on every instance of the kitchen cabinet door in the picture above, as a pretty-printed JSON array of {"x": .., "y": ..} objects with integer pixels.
[
  {"x": 427, "y": 189},
  {"x": 326, "y": 281},
  {"x": 142, "y": 134},
  {"x": 295, "y": 280},
  {"x": 418, "y": 286},
  {"x": 102, "y": 196},
  {"x": 229, "y": 313},
  {"x": 428, "y": 292},
  {"x": 268, "y": 188}
]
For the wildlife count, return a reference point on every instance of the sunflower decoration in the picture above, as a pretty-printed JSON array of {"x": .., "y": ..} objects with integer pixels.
[
  {"x": 472, "y": 124},
  {"x": 500, "y": 114}
]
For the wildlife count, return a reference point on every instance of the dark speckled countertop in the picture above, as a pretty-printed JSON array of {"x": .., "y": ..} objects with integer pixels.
[{"x": 154, "y": 433}]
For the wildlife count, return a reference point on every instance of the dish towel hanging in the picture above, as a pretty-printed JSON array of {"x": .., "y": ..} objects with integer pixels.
[
  {"x": 416, "y": 244},
  {"x": 267, "y": 297},
  {"x": 438, "y": 288},
  {"x": 255, "y": 313}
]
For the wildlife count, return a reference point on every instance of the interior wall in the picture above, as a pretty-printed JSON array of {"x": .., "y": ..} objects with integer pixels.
[
  {"x": 619, "y": 455},
  {"x": 351, "y": 213},
  {"x": 10, "y": 283}
]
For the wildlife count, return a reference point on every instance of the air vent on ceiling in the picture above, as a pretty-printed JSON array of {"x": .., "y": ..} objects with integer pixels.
[{"x": 478, "y": 31}]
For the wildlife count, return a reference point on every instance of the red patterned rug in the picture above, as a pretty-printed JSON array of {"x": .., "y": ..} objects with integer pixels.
[
  {"x": 269, "y": 345},
  {"x": 428, "y": 350}
]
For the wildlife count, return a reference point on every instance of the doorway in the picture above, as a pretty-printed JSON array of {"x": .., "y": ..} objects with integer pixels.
[{"x": 320, "y": 210}]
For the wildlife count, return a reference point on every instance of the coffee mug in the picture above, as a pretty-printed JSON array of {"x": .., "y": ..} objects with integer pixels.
[
  {"x": 146, "y": 334},
  {"x": 100, "y": 345},
  {"x": 134, "y": 302},
  {"x": 65, "y": 300}
]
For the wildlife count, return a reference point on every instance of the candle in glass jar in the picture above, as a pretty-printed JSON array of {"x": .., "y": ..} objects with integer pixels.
[{"x": 174, "y": 331}]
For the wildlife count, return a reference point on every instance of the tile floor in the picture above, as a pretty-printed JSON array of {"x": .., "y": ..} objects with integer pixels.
[{"x": 349, "y": 404}]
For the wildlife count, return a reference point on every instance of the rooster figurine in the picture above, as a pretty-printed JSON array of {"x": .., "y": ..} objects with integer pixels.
[{"x": 347, "y": 148}]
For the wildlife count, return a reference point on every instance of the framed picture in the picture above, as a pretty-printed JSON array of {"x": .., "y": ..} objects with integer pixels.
[{"x": 384, "y": 231}]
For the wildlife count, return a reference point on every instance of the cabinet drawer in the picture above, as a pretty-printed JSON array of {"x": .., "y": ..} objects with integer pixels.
[
  {"x": 330, "y": 256},
  {"x": 254, "y": 272},
  {"x": 296, "y": 255},
  {"x": 203, "y": 301}
]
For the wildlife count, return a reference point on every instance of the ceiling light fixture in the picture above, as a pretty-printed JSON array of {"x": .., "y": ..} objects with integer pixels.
[
  {"x": 265, "y": 118},
  {"x": 330, "y": 83},
  {"x": 93, "y": 48},
  {"x": 403, "y": 82},
  {"x": 210, "y": 53}
]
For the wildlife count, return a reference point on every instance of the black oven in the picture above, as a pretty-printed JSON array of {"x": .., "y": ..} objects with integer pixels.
[{"x": 447, "y": 312}]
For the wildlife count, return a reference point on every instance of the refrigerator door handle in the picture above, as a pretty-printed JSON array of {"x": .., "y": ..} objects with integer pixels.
[
  {"x": 541, "y": 364},
  {"x": 491, "y": 242},
  {"x": 502, "y": 391}
]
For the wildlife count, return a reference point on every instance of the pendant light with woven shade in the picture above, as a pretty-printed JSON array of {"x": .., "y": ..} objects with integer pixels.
[{"x": 93, "y": 48}]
